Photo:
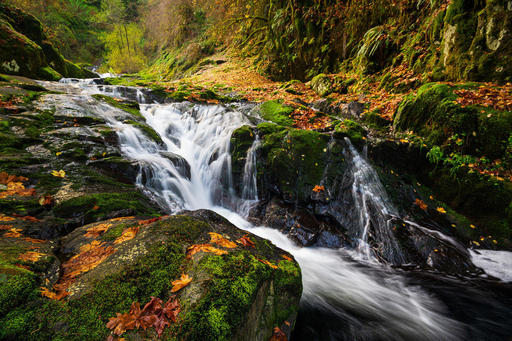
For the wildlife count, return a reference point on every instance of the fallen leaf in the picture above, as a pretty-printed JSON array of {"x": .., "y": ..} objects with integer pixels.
[
  {"x": 5, "y": 218},
  {"x": 59, "y": 174},
  {"x": 122, "y": 218},
  {"x": 30, "y": 256},
  {"x": 179, "y": 284},
  {"x": 13, "y": 233},
  {"x": 121, "y": 323},
  {"x": 46, "y": 200},
  {"x": 34, "y": 241},
  {"x": 97, "y": 230},
  {"x": 318, "y": 189},
  {"x": 287, "y": 258},
  {"x": 266, "y": 262},
  {"x": 246, "y": 241},
  {"x": 192, "y": 250},
  {"x": 421, "y": 204},
  {"x": 220, "y": 240},
  {"x": 278, "y": 335},
  {"x": 441, "y": 210},
  {"x": 128, "y": 234},
  {"x": 91, "y": 245},
  {"x": 53, "y": 295}
]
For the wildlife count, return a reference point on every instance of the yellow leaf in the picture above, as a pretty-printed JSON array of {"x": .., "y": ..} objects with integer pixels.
[
  {"x": 220, "y": 240},
  {"x": 441, "y": 210},
  {"x": 128, "y": 234},
  {"x": 58, "y": 153},
  {"x": 472, "y": 226},
  {"x": 30, "y": 256},
  {"x": 181, "y": 283},
  {"x": 59, "y": 174}
]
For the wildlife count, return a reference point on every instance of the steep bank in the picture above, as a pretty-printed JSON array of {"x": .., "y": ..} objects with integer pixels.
[{"x": 25, "y": 50}]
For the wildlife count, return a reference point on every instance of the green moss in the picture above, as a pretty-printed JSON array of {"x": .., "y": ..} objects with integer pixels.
[
  {"x": 107, "y": 203},
  {"x": 180, "y": 95},
  {"x": 49, "y": 74},
  {"x": 130, "y": 107},
  {"x": 276, "y": 112},
  {"x": 294, "y": 160},
  {"x": 374, "y": 120},
  {"x": 147, "y": 130},
  {"x": 350, "y": 129},
  {"x": 14, "y": 290}
]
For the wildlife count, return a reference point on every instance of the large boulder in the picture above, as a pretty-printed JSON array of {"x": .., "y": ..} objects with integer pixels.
[{"x": 239, "y": 286}]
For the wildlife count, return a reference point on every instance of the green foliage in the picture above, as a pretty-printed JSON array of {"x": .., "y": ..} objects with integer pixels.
[{"x": 276, "y": 112}]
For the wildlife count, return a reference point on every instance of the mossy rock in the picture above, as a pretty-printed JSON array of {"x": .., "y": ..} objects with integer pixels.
[
  {"x": 231, "y": 296},
  {"x": 434, "y": 114},
  {"x": 95, "y": 207},
  {"x": 351, "y": 129},
  {"x": 276, "y": 112},
  {"x": 292, "y": 161},
  {"x": 241, "y": 140}
]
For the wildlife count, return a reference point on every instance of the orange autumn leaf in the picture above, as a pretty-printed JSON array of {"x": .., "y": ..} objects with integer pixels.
[
  {"x": 28, "y": 218},
  {"x": 220, "y": 240},
  {"x": 287, "y": 258},
  {"x": 441, "y": 210},
  {"x": 318, "y": 189},
  {"x": 278, "y": 335},
  {"x": 13, "y": 233},
  {"x": 6, "y": 178},
  {"x": 5, "y": 227},
  {"x": 121, "y": 323},
  {"x": 192, "y": 250},
  {"x": 122, "y": 218},
  {"x": 179, "y": 284},
  {"x": 91, "y": 245},
  {"x": 30, "y": 256},
  {"x": 128, "y": 234},
  {"x": 246, "y": 241},
  {"x": 152, "y": 220},
  {"x": 17, "y": 188},
  {"x": 421, "y": 204},
  {"x": 46, "y": 200},
  {"x": 33, "y": 241},
  {"x": 53, "y": 295},
  {"x": 97, "y": 230},
  {"x": 6, "y": 218},
  {"x": 266, "y": 262}
]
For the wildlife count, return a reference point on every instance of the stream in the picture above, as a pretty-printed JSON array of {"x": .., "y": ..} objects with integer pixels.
[{"x": 348, "y": 294}]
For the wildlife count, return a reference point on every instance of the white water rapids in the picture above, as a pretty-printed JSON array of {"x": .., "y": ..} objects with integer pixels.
[{"x": 193, "y": 171}]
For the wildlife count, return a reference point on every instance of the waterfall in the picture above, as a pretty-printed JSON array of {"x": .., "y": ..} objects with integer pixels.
[
  {"x": 249, "y": 181},
  {"x": 371, "y": 207},
  {"x": 349, "y": 299}
]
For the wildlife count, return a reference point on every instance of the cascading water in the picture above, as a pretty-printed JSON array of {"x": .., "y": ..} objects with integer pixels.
[{"x": 343, "y": 298}]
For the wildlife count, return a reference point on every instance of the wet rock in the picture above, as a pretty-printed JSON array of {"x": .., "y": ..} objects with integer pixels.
[
  {"x": 179, "y": 162},
  {"x": 250, "y": 290},
  {"x": 352, "y": 109}
]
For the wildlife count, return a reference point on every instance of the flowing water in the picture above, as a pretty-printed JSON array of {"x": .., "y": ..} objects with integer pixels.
[{"x": 348, "y": 294}]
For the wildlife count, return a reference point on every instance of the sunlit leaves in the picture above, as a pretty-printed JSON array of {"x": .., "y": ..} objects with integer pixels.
[
  {"x": 59, "y": 174},
  {"x": 30, "y": 256},
  {"x": 179, "y": 284},
  {"x": 192, "y": 250},
  {"x": 421, "y": 204},
  {"x": 246, "y": 241},
  {"x": 221, "y": 241},
  {"x": 127, "y": 234}
]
